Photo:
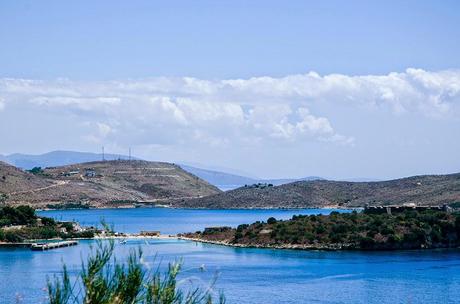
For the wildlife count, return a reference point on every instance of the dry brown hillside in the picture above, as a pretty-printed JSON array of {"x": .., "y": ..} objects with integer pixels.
[
  {"x": 108, "y": 183},
  {"x": 13, "y": 180},
  {"x": 419, "y": 190}
]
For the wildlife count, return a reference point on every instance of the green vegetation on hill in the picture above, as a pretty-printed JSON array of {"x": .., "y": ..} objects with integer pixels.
[
  {"x": 3, "y": 198},
  {"x": 18, "y": 224},
  {"x": 69, "y": 205},
  {"x": 405, "y": 230},
  {"x": 22, "y": 215},
  {"x": 36, "y": 170}
]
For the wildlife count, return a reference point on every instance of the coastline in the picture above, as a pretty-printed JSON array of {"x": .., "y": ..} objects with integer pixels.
[
  {"x": 130, "y": 236},
  {"x": 286, "y": 246},
  {"x": 146, "y": 206},
  {"x": 338, "y": 247}
]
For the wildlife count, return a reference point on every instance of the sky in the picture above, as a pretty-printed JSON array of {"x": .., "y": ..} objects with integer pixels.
[{"x": 338, "y": 89}]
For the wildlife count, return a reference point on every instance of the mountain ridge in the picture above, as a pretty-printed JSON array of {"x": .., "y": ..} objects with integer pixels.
[
  {"x": 221, "y": 179},
  {"x": 102, "y": 184},
  {"x": 417, "y": 190}
]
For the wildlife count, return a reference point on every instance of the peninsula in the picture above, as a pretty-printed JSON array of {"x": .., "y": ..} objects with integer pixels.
[{"x": 408, "y": 229}]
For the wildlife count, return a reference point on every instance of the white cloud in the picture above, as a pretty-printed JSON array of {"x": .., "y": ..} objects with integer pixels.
[{"x": 223, "y": 112}]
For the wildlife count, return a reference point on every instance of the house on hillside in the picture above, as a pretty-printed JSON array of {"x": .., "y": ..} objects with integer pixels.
[
  {"x": 70, "y": 173},
  {"x": 90, "y": 172}
]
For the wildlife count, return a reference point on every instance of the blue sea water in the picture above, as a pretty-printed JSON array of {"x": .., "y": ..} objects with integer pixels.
[
  {"x": 173, "y": 221},
  {"x": 248, "y": 275}
]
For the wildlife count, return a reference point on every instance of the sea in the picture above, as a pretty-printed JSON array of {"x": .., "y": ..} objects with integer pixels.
[{"x": 244, "y": 275}]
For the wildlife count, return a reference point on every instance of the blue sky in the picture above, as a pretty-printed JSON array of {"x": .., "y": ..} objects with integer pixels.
[
  {"x": 225, "y": 39},
  {"x": 275, "y": 88}
]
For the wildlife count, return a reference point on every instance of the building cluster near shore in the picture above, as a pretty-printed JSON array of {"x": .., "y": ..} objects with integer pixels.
[{"x": 392, "y": 209}]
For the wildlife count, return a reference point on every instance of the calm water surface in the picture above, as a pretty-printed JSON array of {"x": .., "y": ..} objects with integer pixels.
[
  {"x": 249, "y": 275},
  {"x": 172, "y": 221}
]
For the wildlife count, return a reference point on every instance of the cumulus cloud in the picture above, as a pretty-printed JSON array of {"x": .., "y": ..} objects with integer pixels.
[{"x": 222, "y": 112}]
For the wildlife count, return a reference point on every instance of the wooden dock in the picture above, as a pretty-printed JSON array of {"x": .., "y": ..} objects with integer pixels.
[{"x": 53, "y": 245}]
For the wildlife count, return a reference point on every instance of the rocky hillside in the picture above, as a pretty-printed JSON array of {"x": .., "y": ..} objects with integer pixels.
[
  {"x": 14, "y": 180},
  {"x": 108, "y": 183},
  {"x": 419, "y": 190}
]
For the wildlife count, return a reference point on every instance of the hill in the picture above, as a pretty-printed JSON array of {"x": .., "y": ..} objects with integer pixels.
[
  {"x": 418, "y": 190},
  {"x": 102, "y": 184},
  {"x": 409, "y": 229},
  {"x": 14, "y": 180},
  {"x": 222, "y": 180}
]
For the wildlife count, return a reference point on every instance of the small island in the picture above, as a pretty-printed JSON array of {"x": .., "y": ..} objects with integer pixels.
[{"x": 367, "y": 230}]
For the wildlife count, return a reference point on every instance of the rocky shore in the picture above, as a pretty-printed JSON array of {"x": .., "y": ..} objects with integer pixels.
[{"x": 271, "y": 246}]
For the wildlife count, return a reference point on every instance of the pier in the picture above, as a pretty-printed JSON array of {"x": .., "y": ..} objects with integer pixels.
[{"x": 53, "y": 245}]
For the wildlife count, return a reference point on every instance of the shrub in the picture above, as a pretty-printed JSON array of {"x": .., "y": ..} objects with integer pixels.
[
  {"x": 22, "y": 215},
  {"x": 416, "y": 236},
  {"x": 242, "y": 227},
  {"x": 68, "y": 226},
  {"x": 320, "y": 229},
  {"x": 47, "y": 221},
  {"x": 366, "y": 243},
  {"x": 104, "y": 282},
  {"x": 36, "y": 170},
  {"x": 12, "y": 237},
  {"x": 271, "y": 221}
]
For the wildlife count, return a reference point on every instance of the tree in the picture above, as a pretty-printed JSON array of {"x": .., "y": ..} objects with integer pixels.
[
  {"x": 3, "y": 198},
  {"x": 36, "y": 170},
  {"x": 271, "y": 221}
]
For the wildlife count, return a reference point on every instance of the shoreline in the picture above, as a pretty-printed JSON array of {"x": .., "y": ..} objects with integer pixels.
[
  {"x": 279, "y": 247},
  {"x": 344, "y": 248},
  {"x": 114, "y": 237},
  {"x": 330, "y": 207}
]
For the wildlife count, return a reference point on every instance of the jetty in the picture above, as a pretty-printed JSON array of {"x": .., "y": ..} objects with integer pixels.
[{"x": 52, "y": 245}]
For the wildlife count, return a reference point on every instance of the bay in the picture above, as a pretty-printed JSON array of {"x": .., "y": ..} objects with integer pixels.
[{"x": 245, "y": 275}]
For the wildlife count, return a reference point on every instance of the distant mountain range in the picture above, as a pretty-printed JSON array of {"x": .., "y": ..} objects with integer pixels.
[
  {"x": 222, "y": 180},
  {"x": 82, "y": 177},
  {"x": 228, "y": 181},
  {"x": 56, "y": 158}
]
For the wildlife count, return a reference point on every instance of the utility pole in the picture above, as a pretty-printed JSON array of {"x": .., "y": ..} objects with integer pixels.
[
  {"x": 103, "y": 154},
  {"x": 129, "y": 153}
]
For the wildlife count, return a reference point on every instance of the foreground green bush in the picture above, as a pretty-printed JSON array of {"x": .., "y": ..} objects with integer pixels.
[{"x": 103, "y": 280}]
